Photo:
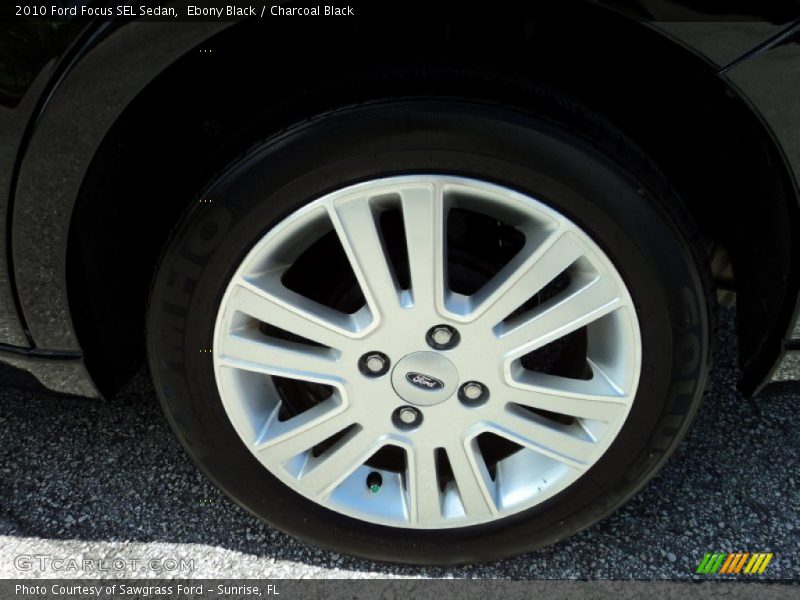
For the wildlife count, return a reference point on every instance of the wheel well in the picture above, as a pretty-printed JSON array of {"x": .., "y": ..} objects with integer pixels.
[{"x": 210, "y": 106}]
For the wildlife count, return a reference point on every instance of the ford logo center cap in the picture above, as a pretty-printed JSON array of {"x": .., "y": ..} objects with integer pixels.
[
  {"x": 425, "y": 382},
  {"x": 414, "y": 385}
]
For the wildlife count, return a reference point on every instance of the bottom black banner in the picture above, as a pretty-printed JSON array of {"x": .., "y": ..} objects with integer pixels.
[{"x": 84, "y": 589}]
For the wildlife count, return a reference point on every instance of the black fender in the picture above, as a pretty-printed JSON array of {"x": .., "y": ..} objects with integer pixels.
[{"x": 89, "y": 96}]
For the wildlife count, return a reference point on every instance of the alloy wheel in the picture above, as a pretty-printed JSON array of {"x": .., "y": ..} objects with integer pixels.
[{"x": 438, "y": 388}]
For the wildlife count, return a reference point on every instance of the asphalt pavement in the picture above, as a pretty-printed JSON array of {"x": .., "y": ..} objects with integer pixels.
[{"x": 83, "y": 479}]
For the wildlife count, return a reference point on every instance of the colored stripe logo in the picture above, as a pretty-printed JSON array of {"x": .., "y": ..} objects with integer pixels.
[{"x": 731, "y": 563}]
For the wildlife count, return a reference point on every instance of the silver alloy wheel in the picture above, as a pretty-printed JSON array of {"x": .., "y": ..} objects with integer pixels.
[{"x": 496, "y": 329}]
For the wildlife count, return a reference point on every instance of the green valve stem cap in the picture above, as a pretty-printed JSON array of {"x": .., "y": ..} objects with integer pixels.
[{"x": 374, "y": 482}]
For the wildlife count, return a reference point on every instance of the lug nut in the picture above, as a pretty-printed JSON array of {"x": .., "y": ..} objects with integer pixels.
[
  {"x": 473, "y": 393},
  {"x": 407, "y": 417},
  {"x": 442, "y": 337},
  {"x": 374, "y": 364}
]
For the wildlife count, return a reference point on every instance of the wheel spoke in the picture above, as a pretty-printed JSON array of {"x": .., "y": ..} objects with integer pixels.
[
  {"x": 424, "y": 224},
  {"x": 283, "y": 440},
  {"x": 319, "y": 324},
  {"x": 527, "y": 274},
  {"x": 276, "y": 357},
  {"x": 472, "y": 479},
  {"x": 551, "y": 321},
  {"x": 592, "y": 399},
  {"x": 527, "y": 430},
  {"x": 356, "y": 226},
  {"x": 425, "y": 500},
  {"x": 323, "y": 473}
]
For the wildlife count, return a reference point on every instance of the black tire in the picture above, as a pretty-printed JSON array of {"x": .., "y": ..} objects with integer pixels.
[{"x": 553, "y": 151}]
